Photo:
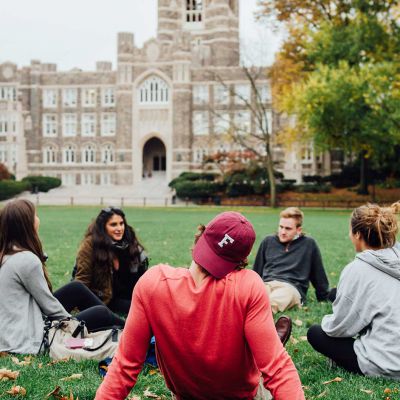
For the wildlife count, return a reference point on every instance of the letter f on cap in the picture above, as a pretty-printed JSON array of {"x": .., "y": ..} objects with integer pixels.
[{"x": 225, "y": 240}]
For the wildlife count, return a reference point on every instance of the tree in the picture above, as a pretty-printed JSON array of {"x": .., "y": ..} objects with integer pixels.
[
  {"x": 338, "y": 72},
  {"x": 256, "y": 138}
]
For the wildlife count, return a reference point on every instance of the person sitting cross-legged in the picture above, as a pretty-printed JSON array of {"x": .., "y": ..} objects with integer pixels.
[
  {"x": 288, "y": 261},
  {"x": 213, "y": 325}
]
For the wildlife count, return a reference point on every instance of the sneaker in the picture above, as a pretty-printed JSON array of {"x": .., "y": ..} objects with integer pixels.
[{"x": 283, "y": 327}]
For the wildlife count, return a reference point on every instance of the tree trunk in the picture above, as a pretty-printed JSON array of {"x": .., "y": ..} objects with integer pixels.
[
  {"x": 363, "y": 189},
  {"x": 272, "y": 182}
]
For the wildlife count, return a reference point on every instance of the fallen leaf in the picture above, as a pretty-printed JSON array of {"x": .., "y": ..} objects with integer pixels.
[
  {"x": 134, "y": 398},
  {"x": 6, "y": 374},
  {"x": 387, "y": 391},
  {"x": 72, "y": 377},
  {"x": 17, "y": 391},
  {"x": 3, "y": 354},
  {"x": 152, "y": 371},
  {"x": 151, "y": 395},
  {"x": 337, "y": 379},
  {"x": 15, "y": 360},
  {"x": 298, "y": 322},
  {"x": 71, "y": 397},
  {"x": 40, "y": 365},
  {"x": 54, "y": 393},
  {"x": 61, "y": 360},
  {"x": 293, "y": 340},
  {"x": 303, "y": 338},
  {"x": 323, "y": 394},
  {"x": 367, "y": 391}
]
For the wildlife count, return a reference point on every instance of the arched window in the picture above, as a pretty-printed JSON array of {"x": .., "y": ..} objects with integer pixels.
[
  {"x": 194, "y": 9},
  {"x": 88, "y": 154},
  {"x": 69, "y": 155},
  {"x": 153, "y": 91},
  {"x": 107, "y": 154},
  {"x": 49, "y": 155}
]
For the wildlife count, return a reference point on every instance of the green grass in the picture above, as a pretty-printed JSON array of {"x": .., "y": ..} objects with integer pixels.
[{"x": 167, "y": 234}]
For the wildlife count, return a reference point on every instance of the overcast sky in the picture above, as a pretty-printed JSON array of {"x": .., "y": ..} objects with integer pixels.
[{"x": 77, "y": 33}]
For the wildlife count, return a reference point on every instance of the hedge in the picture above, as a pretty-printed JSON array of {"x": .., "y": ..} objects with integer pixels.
[
  {"x": 197, "y": 189},
  {"x": 9, "y": 188},
  {"x": 41, "y": 183}
]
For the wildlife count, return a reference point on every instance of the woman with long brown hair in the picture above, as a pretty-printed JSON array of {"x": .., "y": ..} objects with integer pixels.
[
  {"x": 361, "y": 333},
  {"x": 111, "y": 259},
  {"x": 26, "y": 292}
]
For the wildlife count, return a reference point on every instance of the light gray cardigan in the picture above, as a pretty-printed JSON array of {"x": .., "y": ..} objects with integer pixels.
[{"x": 24, "y": 299}]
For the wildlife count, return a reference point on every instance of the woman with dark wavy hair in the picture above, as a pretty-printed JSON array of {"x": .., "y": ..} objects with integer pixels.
[
  {"x": 26, "y": 292},
  {"x": 111, "y": 259}
]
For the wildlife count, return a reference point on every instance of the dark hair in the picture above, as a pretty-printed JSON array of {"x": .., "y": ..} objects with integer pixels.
[
  {"x": 103, "y": 247},
  {"x": 200, "y": 230},
  {"x": 376, "y": 225},
  {"x": 18, "y": 233}
]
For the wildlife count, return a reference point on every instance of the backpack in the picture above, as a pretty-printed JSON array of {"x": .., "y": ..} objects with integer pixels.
[{"x": 69, "y": 338}]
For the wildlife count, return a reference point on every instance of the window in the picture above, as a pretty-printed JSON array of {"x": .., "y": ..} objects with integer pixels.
[
  {"x": 70, "y": 97},
  {"x": 199, "y": 155},
  {"x": 88, "y": 179},
  {"x": 266, "y": 123},
  {"x": 242, "y": 94},
  {"x": 49, "y": 127},
  {"x": 200, "y": 123},
  {"x": 194, "y": 10},
  {"x": 4, "y": 124},
  {"x": 221, "y": 94},
  {"x": 3, "y": 153},
  {"x": 88, "y": 154},
  {"x": 8, "y": 93},
  {"x": 68, "y": 179},
  {"x": 264, "y": 93},
  {"x": 242, "y": 122},
  {"x": 69, "y": 155},
  {"x": 69, "y": 124},
  {"x": 89, "y": 97},
  {"x": 221, "y": 123},
  {"x": 50, "y": 98},
  {"x": 108, "y": 97},
  {"x": 108, "y": 124},
  {"x": 107, "y": 154},
  {"x": 88, "y": 125},
  {"x": 49, "y": 155},
  {"x": 153, "y": 90},
  {"x": 200, "y": 94},
  {"x": 307, "y": 153},
  {"x": 105, "y": 178}
]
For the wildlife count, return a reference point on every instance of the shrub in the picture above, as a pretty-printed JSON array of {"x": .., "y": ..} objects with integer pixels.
[
  {"x": 9, "y": 188},
  {"x": 192, "y": 176},
  {"x": 312, "y": 178},
  {"x": 41, "y": 183},
  {"x": 197, "y": 189},
  {"x": 313, "y": 188}
]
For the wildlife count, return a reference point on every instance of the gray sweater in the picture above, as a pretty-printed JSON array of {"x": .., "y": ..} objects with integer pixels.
[
  {"x": 298, "y": 262},
  {"x": 367, "y": 306},
  {"x": 25, "y": 299}
]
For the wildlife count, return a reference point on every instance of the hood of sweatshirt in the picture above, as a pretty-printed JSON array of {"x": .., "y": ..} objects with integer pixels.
[{"x": 386, "y": 260}]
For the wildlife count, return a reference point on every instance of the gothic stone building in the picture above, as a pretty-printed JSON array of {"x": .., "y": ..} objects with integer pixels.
[{"x": 151, "y": 116}]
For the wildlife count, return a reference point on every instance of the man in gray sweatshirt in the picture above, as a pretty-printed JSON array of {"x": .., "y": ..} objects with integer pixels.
[{"x": 288, "y": 261}]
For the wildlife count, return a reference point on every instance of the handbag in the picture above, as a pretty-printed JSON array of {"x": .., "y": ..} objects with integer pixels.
[{"x": 69, "y": 338}]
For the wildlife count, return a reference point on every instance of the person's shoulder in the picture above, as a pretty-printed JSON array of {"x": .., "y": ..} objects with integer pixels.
[
  {"x": 269, "y": 238},
  {"x": 306, "y": 239},
  {"x": 25, "y": 261},
  {"x": 163, "y": 271},
  {"x": 86, "y": 243},
  {"x": 248, "y": 277}
]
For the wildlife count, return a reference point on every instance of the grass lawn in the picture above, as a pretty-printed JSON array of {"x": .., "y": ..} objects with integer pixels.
[{"x": 167, "y": 234}]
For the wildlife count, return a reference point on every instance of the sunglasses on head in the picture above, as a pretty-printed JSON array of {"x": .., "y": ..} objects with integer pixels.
[{"x": 111, "y": 209}]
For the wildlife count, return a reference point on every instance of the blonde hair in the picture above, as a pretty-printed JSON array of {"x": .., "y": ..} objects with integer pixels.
[
  {"x": 377, "y": 225},
  {"x": 295, "y": 213}
]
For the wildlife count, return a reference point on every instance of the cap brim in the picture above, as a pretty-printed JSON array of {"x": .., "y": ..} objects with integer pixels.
[{"x": 205, "y": 256}]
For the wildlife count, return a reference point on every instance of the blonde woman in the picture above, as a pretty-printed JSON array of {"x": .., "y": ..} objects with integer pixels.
[{"x": 362, "y": 333}]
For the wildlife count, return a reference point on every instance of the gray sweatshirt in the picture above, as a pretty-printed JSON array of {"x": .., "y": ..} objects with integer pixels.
[
  {"x": 25, "y": 298},
  {"x": 367, "y": 307}
]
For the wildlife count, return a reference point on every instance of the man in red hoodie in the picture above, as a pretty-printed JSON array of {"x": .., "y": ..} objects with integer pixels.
[{"x": 215, "y": 335}]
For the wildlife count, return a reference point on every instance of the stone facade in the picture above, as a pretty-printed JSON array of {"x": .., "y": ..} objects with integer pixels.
[{"x": 152, "y": 115}]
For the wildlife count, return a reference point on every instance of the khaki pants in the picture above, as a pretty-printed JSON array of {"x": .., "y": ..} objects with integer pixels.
[
  {"x": 282, "y": 295},
  {"x": 262, "y": 393}
]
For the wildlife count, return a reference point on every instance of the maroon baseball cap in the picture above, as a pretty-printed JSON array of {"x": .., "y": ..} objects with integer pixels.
[{"x": 224, "y": 244}]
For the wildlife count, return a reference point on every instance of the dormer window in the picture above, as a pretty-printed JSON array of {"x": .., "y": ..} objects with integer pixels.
[{"x": 194, "y": 10}]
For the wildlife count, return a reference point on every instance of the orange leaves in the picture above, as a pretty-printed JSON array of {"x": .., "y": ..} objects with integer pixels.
[
  {"x": 56, "y": 394},
  {"x": 6, "y": 374},
  {"x": 17, "y": 391},
  {"x": 26, "y": 361},
  {"x": 337, "y": 379},
  {"x": 72, "y": 377}
]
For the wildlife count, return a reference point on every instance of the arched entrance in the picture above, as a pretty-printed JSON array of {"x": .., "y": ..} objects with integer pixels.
[{"x": 154, "y": 158}]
